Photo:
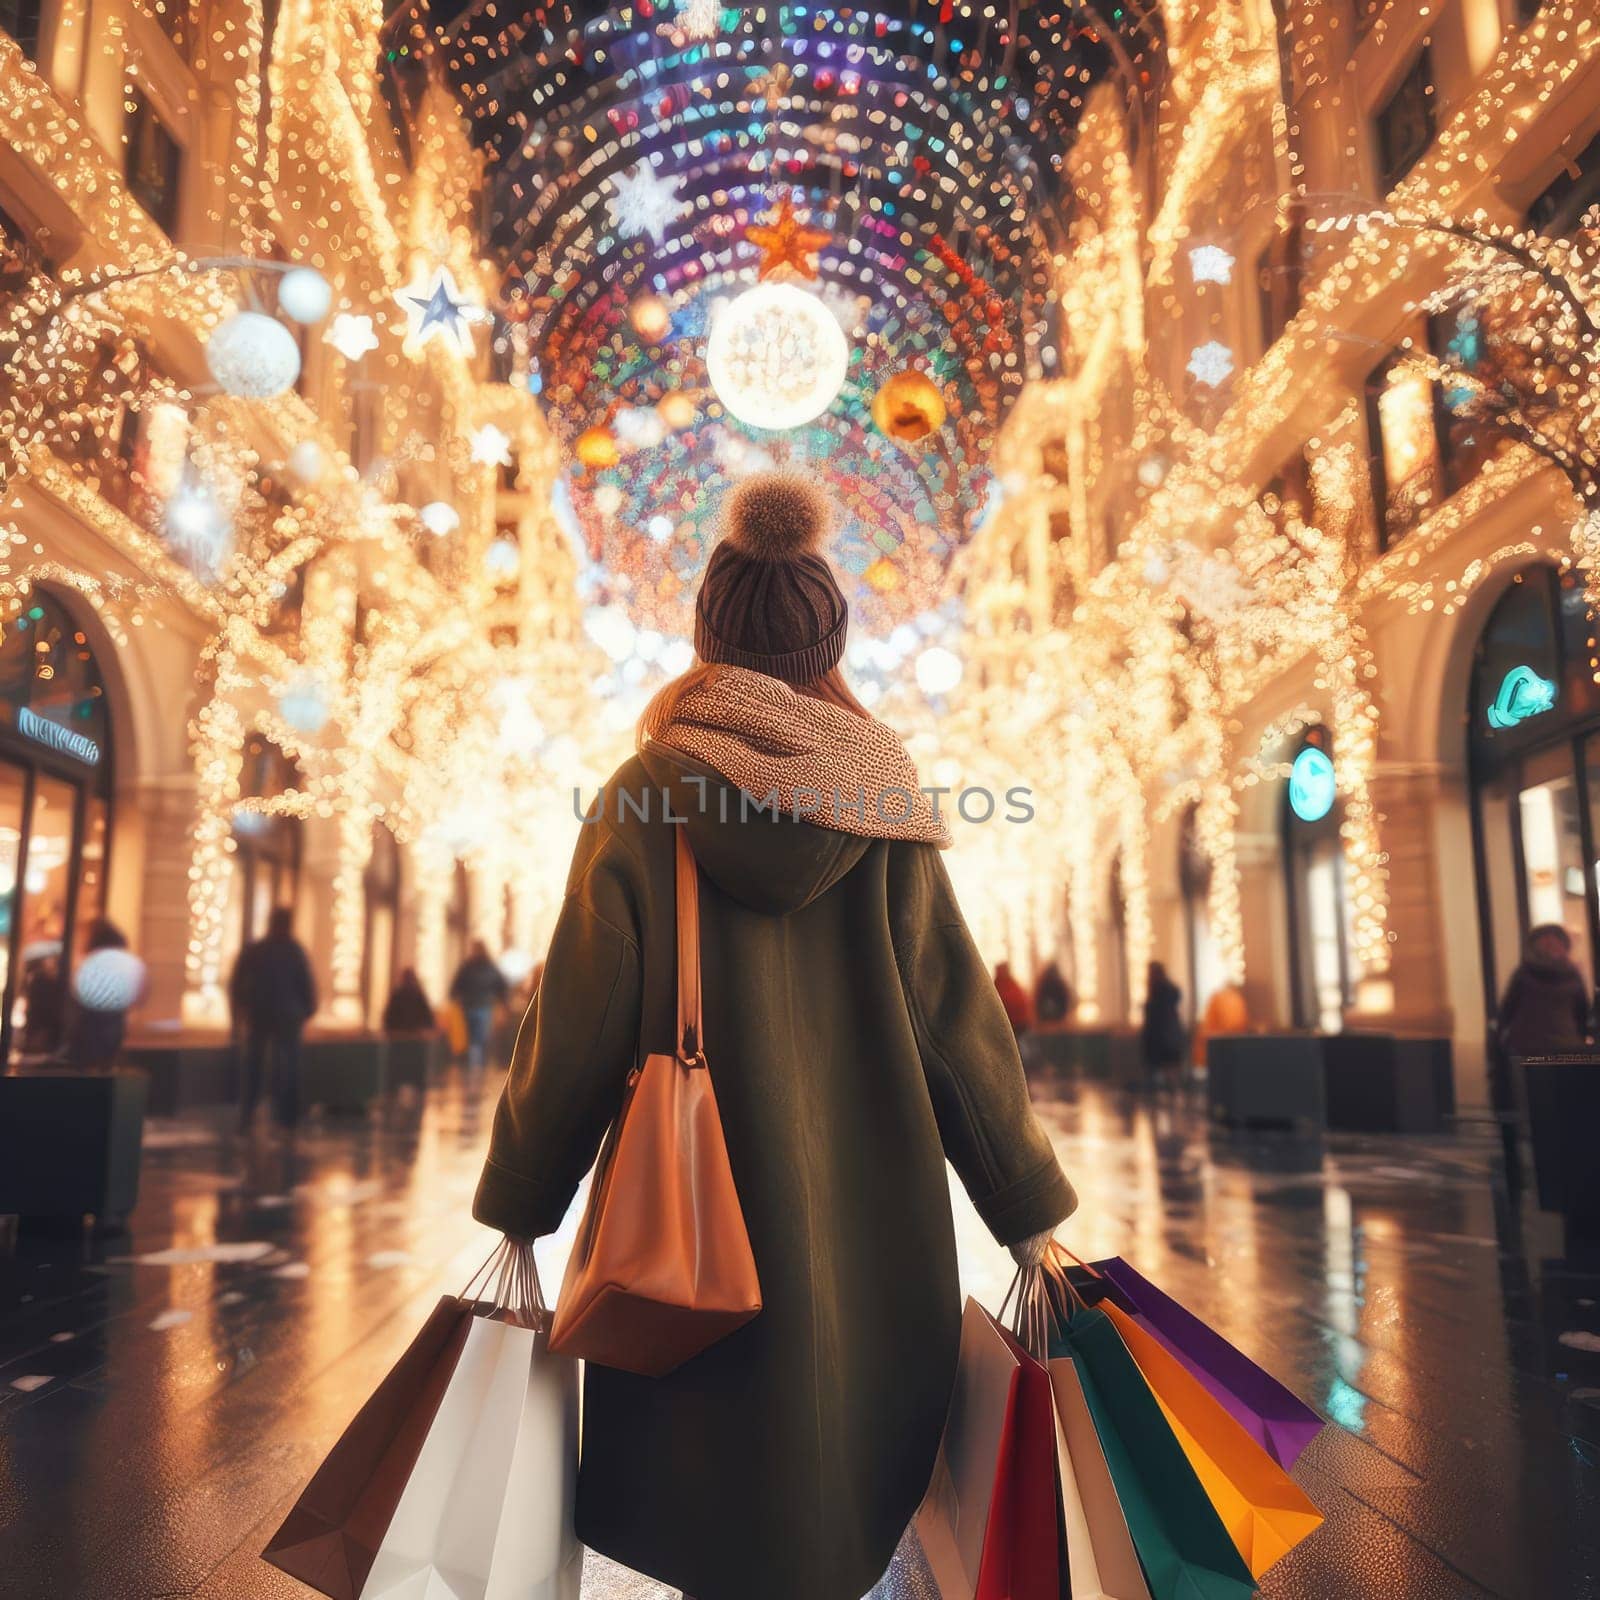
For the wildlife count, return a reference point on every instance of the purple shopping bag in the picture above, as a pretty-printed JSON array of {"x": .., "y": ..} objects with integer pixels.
[{"x": 1279, "y": 1421}]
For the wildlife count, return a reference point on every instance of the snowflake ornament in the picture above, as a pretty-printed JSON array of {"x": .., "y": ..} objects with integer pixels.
[
  {"x": 643, "y": 203},
  {"x": 351, "y": 335},
  {"x": 1210, "y": 363},
  {"x": 491, "y": 446}
]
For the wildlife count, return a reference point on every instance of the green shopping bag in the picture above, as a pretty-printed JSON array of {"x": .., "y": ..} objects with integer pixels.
[{"x": 1181, "y": 1542}]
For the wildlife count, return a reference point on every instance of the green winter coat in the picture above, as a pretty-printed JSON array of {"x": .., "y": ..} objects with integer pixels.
[{"x": 855, "y": 1040}]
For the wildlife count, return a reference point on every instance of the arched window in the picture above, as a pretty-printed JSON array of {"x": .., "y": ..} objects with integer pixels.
[
  {"x": 55, "y": 817},
  {"x": 1534, "y": 750},
  {"x": 1321, "y": 943}
]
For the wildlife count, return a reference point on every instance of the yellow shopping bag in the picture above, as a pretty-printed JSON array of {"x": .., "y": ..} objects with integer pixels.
[
  {"x": 1264, "y": 1510},
  {"x": 455, "y": 1028}
]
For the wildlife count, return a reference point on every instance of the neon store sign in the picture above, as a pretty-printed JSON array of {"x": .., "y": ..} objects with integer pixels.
[
  {"x": 1523, "y": 694},
  {"x": 1312, "y": 785}
]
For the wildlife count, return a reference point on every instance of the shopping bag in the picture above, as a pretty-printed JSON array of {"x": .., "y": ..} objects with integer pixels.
[
  {"x": 1273, "y": 1416},
  {"x": 455, "y": 1027},
  {"x": 988, "y": 1524},
  {"x": 487, "y": 1513},
  {"x": 331, "y": 1537},
  {"x": 1101, "y": 1561},
  {"x": 1264, "y": 1510},
  {"x": 1182, "y": 1545}
]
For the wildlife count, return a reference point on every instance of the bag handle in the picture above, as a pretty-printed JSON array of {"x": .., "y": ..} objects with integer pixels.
[{"x": 691, "y": 1017}]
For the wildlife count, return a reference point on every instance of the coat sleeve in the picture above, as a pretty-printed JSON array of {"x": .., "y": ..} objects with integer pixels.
[
  {"x": 570, "y": 1066},
  {"x": 969, "y": 1055}
]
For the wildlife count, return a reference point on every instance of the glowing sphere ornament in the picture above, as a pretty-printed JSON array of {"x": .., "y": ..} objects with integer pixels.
[
  {"x": 908, "y": 407},
  {"x": 304, "y": 295},
  {"x": 253, "y": 356},
  {"x": 777, "y": 356},
  {"x": 597, "y": 448},
  {"x": 108, "y": 980},
  {"x": 304, "y": 706},
  {"x": 439, "y": 518},
  {"x": 651, "y": 318},
  {"x": 938, "y": 670},
  {"x": 677, "y": 409}
]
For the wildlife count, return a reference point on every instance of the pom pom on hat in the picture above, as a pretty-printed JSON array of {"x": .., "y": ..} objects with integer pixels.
[{"x": 777, "y": 516}]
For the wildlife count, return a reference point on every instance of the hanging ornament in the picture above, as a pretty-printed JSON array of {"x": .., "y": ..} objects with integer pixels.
[
  {"x": 198, "y": 526},
  {"x": 597, "y": 448},
  {"x": 651, "y": 318},
  {"x": 502, "y": 561},
  {"x": 439, "y": 518},
  {"x": 776, "y": 356},
  {"x": 491, "y": 446},
  {"x": 785, "y": 241},
  {"x": 699, "y": 19},
  {"x": 516, "y": 298},
  {"x": 253, "y": 356},
  {"x": 643, "y": 203},
  {"x": 304, "y": 706},
  {"x": 677, "y": 409},
  {"x": 908, "y": 407},
  {"x": 304, "y": 295},
  {"x": 436, "y": 309},
  {"x": 351, "y": 336}
]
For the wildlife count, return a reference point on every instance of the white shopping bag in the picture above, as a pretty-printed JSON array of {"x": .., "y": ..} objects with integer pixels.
[{"x": 487, "y": 1513}]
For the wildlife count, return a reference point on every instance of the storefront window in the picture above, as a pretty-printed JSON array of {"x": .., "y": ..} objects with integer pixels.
[
  {"x": 1321, "y": 939},
  {"x": 55, "y": 823},
  {"x": 1536, "y": 772}
]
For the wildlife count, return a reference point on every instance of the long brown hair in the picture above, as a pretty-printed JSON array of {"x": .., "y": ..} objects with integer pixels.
[{"x": 662, "y": 711}]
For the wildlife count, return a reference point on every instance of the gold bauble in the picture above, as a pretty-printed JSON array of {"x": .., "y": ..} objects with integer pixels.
[
  {"x": 908, "y": 407},
  {"x": 651, "y": 317},
  {"x": 597, "y": 448},
  {"x": 677, "y": 409}
]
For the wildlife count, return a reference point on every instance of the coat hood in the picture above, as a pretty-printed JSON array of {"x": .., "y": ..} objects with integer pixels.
[{"x": 766, "y": 860}]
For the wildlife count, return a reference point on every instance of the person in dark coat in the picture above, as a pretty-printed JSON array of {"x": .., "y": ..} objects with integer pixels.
[
  {"x": 1052, "y": 999},
  {"x": 1163, "y": 1039},
  {"x": 408, "y": 1010},
  {"x": 1545, "y": 1010},
  {"x": 480, "y": 989},
  {"x": 854, "y": 1039},
  {"x": 273, "y": 995},
  {"x": 1013, "y": 997}
]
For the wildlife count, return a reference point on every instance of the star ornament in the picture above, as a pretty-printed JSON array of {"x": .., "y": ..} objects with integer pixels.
[
  {"x": 351, "y": 336},
  {"x": 491, "y": 446},
  {"x": 785, "y": 241},
  {"x": 436, "y": 309},
  {"x": 643, "y": 203}
]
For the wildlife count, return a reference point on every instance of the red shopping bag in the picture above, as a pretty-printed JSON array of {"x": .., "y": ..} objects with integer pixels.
[{"x": 990, "y": 1523}]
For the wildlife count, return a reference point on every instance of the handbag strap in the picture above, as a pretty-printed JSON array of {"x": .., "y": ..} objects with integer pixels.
[{"x": 691, "y": 1029}]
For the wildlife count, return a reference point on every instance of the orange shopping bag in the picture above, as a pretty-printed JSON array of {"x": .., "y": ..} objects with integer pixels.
[
  {"x": 455, "y": 1027},
  {"x": 1264, "y": 1510}
]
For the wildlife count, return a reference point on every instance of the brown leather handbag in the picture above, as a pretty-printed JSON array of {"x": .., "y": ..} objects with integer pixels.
[{"x": 662, "y": 1266}]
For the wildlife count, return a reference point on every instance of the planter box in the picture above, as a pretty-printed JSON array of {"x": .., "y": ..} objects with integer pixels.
[
  {"x": 1266, "y": 1080},
  {"x": 70, "y": 1143},
  {"x": 343, "y": 1072},
  {"x": 187, "y": 1076},
  {"x": 1387, "y": 1083},
  {"x": 1563, "y": 1114}
]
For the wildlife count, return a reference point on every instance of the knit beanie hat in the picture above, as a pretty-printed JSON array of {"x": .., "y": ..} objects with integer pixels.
[{"x": 768, "y": 600}]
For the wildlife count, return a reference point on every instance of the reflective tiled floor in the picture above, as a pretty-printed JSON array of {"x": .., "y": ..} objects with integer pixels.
[{"x": 164, "y": 1393}]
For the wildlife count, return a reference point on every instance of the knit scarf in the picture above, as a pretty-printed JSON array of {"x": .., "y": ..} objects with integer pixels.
[{"x": 764, "y": 737}]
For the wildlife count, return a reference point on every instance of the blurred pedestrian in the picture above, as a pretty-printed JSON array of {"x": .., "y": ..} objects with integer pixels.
[
  {"x": 408, "y": 1010},
  {"x": 272, "y": 994},
  {"x": 44, "y": 1004},
  {"x": 1019, "y": 1011},
  {"x": 107, "y": 984},
  {"x": 480, "y": 989},
  {"x": 1545, "y": 1010},
  {"x": 1163, "y": 1040},
  {"x": 1052, "y": 999}
]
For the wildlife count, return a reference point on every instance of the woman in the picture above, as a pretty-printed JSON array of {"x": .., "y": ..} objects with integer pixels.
[
  {"x": 480, "y": 989},
  {"x": 854, "y": 1040},
  {"x": 1163, "y": 1039},
  {"x": 408, "y": 1010},
  {"x": 1545, "y": 1010},
  {"x": 1052, "y": 999}
]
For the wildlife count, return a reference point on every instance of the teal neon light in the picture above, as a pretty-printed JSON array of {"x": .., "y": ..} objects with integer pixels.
[
  {"x": 1523, "y": 694},
  {"x": 1312, "y": 786}
]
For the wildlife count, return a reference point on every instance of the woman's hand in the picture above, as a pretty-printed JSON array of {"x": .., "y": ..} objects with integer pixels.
[{"x": 1030, "y": 1252}]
